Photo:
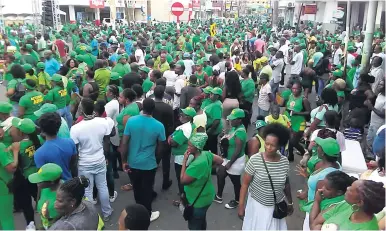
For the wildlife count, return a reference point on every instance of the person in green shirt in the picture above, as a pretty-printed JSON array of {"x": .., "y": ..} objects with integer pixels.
[
  {"x": 15, "y": 88},
  {"x": 64, "y": 131},
  {"x": 44, "y": 83},
  {"x": 207, "y": 68},
  {"x": 58, "y": 96},
  {"x": 233, "y": 146},
  {"x": 214, "y": 124},
  {"x": 9, "y": 61},
  {"x": 48, "y": 181},
  {"x": 196, "y": 178},
  {"x": 130, "y": 108},
  {"x": 202, "y": 77},
  {"x": 122, "y": 67},
  {"x": 9, "y": 160},
  {"x": 101, "y": 77},
  {"x": 248, "y": 94},
  {"x": 363, "y": 199},
  {"x": 31, "y": 101},
  {"x": 206, "y": 101},
  {"x": 147, "y": 83}
]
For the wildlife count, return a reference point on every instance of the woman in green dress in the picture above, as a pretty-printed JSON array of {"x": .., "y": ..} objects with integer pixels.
[
  {"x": 48, "y": 182},
  {"x": 196, "y": 178},
  {"x": 297, "y": 108}
]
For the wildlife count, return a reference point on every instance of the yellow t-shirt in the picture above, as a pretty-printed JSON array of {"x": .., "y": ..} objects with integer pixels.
[{"x": 283, "y": 120}]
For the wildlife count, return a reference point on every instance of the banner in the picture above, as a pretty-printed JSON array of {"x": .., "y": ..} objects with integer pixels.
[
  {"x": 196, "y": 5},
  {"x": 97, "y": 4}
]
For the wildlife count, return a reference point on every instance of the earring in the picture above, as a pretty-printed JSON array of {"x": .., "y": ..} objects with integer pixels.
[
  {"x": 355, "y": 207},
  {"x": 72, "y": 206}
]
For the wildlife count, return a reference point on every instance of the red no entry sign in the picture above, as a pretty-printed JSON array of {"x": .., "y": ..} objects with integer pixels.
[{"x": 177, "y": 10}]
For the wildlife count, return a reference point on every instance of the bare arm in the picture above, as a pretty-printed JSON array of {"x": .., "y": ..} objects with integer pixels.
[
  {"x": 243, "y": 193},
  {"x": 253, "y": 146}
]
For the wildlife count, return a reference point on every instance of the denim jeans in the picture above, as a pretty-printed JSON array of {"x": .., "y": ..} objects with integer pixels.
[
  {"x": 320, "y": 86},
  {"x": 198, "y": 220},
  {"x": 371, "y": 133},
  {"x": 15, "y": 109},
  {"x": 274, "y": 88},
  {"x": 97, "y": 174},
  {"x": 66, "y": 114},
  {"x": 262, "y": 112}
]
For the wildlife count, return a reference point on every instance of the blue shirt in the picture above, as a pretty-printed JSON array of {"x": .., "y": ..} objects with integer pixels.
[
  {"x": 58, "y": 151},
  {"x": 52, "y": 66},
  {"x": 144, "y": 134},
  {"x": 315, "y": 178},
  {"x": 94, "y": 47},
  {"x": 128, "y": 46},
  {"x": 114, "y": 57}
]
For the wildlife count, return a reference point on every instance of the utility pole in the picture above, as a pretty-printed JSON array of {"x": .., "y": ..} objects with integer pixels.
[
  {"x": 148, "y": 11},
  {"x": 275, "y": 13},
  {"x": 348, "y": 14},
  {"x": 127, "y": 10},
  {"x": 370, "y": 24}
]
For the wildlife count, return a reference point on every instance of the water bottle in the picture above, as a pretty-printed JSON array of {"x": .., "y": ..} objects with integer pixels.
[{"x": 31, "y": 226}]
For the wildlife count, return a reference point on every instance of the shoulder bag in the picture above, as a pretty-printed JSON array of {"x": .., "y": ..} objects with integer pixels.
[
  {"x": 188, "y": 211},
  {"x": 281, "y": 209}
]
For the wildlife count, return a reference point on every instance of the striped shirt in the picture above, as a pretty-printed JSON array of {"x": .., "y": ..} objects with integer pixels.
[
  {"x": 260, "y": 187},
  {"x": 353, "y": 134}
]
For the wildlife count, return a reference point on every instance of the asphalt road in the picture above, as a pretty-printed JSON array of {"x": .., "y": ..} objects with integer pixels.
[{"x": 218, "y": 216}]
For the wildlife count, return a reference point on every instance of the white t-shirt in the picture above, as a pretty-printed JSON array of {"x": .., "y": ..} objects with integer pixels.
[
  {"x": 180, "y": 83},
  {"x": 276, "y": 72},
  {"x": 284, "y": 49},
  {"x": 296, "y": 68},
  {"x": 112, "y": 111},
  {"x": 140, "y": 56},
  {"x": 337, "y": 55},
  {"x": 350, "y": 59},
  {"x": 380, "y": 104},
  {"x": 89, "y": 135},
  {"x": 170, "y": 77},
  {"x": 188, "y": 67},
  {"x": 263, "y": 101},
  {"x": 339, "y": 138}
]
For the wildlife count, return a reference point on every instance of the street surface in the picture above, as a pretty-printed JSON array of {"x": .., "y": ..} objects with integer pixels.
[{"x": 218, "y": 216}]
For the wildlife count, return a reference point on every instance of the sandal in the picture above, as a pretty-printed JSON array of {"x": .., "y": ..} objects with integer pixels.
[{"x": 127, "y": 187}]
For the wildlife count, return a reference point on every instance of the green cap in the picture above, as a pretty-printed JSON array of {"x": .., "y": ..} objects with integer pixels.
[
  {"x": 56, "y": 78},
  {"x": 27, "y": 67},
  {"x": 216, "y": 91},
  {"x": 48, "y": 172},
  {"x": 329, "y": 146},
  {"x": 200, "y": 62},
  {"x": 47, "y": 107},
  {"x": 337, "y": 73},
  {"x": 24, "y": 82},
  {"x": 41, "y": 65},
  {"x": 350, "y": 48},
  {"x": 28, "y": 46},
  {"x": 26, "y": 125},
  {"x": 115, "y": 76},
  {"x": 341, "y": 94},
  {"x": 73, "y": 54},
  {"x": 181, "y": 63},
  {"x": 236, "y": 113},
  {"x": 189, "y": 111},
  {"x": 5, "y": 107},
  {"x": 144, "y": 69},
  {"x": 208, "y": 89},
  {"x": 260, "y": 124},
  {"x": 198, "y": 140}
]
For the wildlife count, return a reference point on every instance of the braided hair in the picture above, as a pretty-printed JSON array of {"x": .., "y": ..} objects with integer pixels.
[
  {"x": 340, "y": 181},
  {"x": 373, "y": 196},
  {"x": 75, "y": 188},
  {"x": 114, "y": 91}
]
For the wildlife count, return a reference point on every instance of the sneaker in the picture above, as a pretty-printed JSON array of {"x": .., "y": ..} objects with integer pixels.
[
  {"x": 232, "y": 204},
  {"x": 107, "y": 218},
  {"x": 154, "y": 216},
  {"x": 112, "y": 198},
  {"x": 94, "y": 201},
  {"x": 217, "y": 199}
]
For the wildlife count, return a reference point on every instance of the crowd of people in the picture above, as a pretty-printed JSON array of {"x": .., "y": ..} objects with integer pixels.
[{"x": 88, "y": 102}]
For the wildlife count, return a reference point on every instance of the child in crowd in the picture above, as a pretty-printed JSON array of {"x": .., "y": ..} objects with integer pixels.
[
  {"x": 355, "y": 131},
  {"x": 276, "y": 117}
]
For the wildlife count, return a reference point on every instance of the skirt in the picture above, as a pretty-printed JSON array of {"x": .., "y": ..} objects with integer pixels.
[
  {"x": 237, "y": 167},
  {"x": 260, "y": 217},
  {"x": 306, "y": 223}
]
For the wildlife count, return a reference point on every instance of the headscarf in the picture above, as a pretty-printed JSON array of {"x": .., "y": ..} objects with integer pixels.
[{"x": 198, "y": 140}]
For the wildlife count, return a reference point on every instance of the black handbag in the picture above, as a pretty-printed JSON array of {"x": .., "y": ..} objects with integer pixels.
[
  {"x": 188, "y": 211},
  {"x": 281, "y": 208}
]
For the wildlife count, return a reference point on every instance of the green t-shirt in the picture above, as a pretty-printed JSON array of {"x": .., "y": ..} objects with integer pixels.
[
  {"x": 340, "y": 216},
  {"x": 44, "y": 79},
  {"x": 208, "y": 70},
  {"x": 45, "y": 207},
  {"x": 131, "y": 110},
  {"x": 205, "y": 103},
  {"x": 179, "y": 137},
  {"x": 147, "y": 85},
  {"x": 248, "y": 89},
  {"x": 298, "y": 122},
  {"x": 241, "y": 134},
  {"x": 57, "y": 96},
  {"x": 8, "y": 76},
  {"x": 200, "y": 169},
  {"x": 102, "y": 78},
  {"x": 214, "y": 112},
  {"x": 286, "y": 94},
  {"x": 27, "y": 151},
  {"x": 31, "y": 101},
  {"x": 122, "y": 69},
  {"x": 6, "y": 158},
  {"x": 12, "y": 84}
]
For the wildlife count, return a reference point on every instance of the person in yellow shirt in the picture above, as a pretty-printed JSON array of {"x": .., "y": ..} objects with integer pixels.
[
  {"x": 237, "y": 64},
  {"x": 44, "y": 81},
  {"x": 276, "y": 117},
  {"x": 29, "y": 72}
]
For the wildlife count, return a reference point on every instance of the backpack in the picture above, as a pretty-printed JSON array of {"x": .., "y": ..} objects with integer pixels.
[{"x": 19, "y": 92}]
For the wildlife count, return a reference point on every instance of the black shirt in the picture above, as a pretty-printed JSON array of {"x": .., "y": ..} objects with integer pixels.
[
  {"x": 163, "y": 112},
  {"x": 130, "y": 79}
]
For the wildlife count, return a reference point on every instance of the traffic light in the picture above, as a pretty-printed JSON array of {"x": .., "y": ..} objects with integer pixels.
[{"x": 47, "y": 16}]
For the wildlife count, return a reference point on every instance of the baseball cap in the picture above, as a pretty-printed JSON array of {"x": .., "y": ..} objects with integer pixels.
[
  {"x": 207, "y": 90},
  {"x": 5, "y": 107},
  {"x": 216, "y": 91},
  {"x": 56, "y": 78},
  {"x": 115, "y": 76},
  {"x": 189, "y": 111},
  {"x": 263, "y": 59},
  {"x": 337, "y": 73},
  {"x": 260, "y": 124},
  {"x": 144, "y": 69},
  {"x": 329, "y": 146},
  {"x": 47, "y": 107},
  {"x": 48, "y": 172},
  {"x": 236, "y": 113},
  {"x": 41, "y": 65},
  {"x": 26, "y": 125}
]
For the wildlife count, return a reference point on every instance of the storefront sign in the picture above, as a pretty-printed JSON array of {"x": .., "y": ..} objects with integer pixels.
[
  {"x": 97, "y": 4},
  {"x": 310, "y": 9}
]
